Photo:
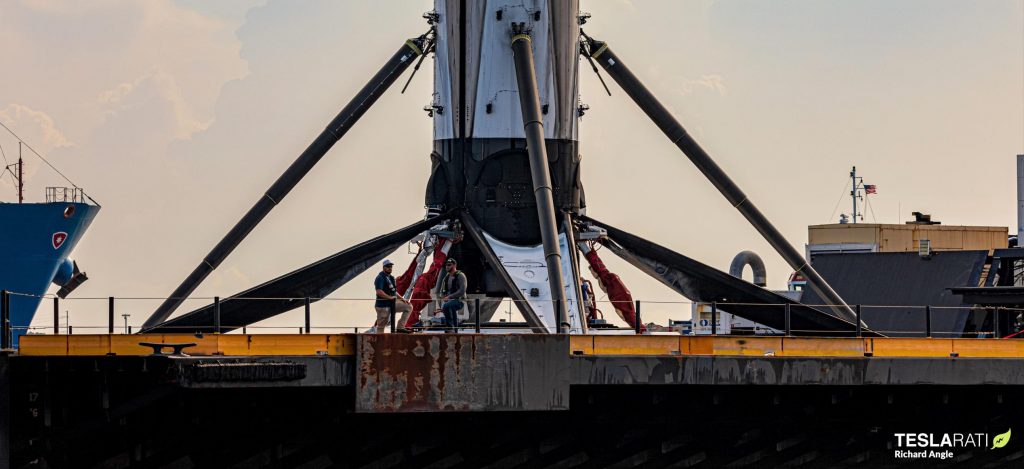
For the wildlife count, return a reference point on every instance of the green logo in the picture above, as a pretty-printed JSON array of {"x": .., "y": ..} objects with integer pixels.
[{"x": 1001, "y": 440}]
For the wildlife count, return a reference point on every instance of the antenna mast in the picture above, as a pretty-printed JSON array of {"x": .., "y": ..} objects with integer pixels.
[
  {"x": 21, "y": 176},
  {"x": 855, "y": 192}
]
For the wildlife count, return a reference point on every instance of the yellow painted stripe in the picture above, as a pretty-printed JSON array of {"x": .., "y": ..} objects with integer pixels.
[
  {"x": 820, "y": 347},
  {"x": 43, "y": 345},
  {"x": 748, "y": 346},
  {"x": 89, "y": 345},
  {"x": 341, "y": 344},
  {"x": 414, "y": 47},
  {"x": 279, "y": 344},
  {"x": 344, "y": 345},
  {"x": 209, "y": 344},
  {"x": 794, "y": 346},
  {"x": 581, "y": 344},
  {"x": 998, "y": 348},
  {"x": 636, "y": 345},
  {"x": 906, "y": 347}
]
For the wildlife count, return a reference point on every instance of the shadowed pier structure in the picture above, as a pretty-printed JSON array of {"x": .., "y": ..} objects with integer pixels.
[{"x": 293, "y": 400}]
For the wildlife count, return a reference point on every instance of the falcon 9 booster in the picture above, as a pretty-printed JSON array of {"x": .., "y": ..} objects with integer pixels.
[{"x": 480, "y": 160}]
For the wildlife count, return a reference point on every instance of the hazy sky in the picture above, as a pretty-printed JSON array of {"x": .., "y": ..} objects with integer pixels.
[{"x": 177, "y": 115}]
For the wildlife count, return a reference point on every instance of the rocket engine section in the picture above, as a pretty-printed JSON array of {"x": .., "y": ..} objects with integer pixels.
[{"x": 480, "y": 159}]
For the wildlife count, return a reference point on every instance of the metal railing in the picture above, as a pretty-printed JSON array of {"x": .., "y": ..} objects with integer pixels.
[
  {"x": 65, "y": 194},
  {"x": 914, "y": 321}
]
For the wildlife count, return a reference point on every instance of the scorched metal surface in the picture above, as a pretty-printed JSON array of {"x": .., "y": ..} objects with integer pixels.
[{"x": 461, "y": 372}]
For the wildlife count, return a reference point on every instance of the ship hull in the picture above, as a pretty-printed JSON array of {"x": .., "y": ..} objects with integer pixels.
[{"x": 37, "y": 240}]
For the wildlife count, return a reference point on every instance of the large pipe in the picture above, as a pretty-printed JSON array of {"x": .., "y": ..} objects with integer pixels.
[
  {"x": 678, "y": 135},
  {"x": 533, "y": 126},
  {"x": 574, "y": 264},
  {"x": 750, "y": 258},
  {"x": 284, "y": 184},
  {"x": 1020, "y": 201}
]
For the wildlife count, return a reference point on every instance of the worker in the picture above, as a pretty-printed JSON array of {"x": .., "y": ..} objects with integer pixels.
[
  {"x": 589, "y": 301},
  {"x": 451, "y": 289},
  {"x": 388, "y": 298}
]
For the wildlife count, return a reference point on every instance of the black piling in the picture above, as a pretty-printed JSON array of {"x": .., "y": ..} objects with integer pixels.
[
  {"x": 110, "y": 315},
  {"x": 928, "y": 321},
  {"x": 476, "y": 311},
  {"x": 216, "y": 315},
  {"x": 307, "y": 314},
  {"x": 5, "y": 319},
  {"x": 860, "y": 332},
  {"x": 636, "y": 318},
  {"x": 789, "y": 323}
]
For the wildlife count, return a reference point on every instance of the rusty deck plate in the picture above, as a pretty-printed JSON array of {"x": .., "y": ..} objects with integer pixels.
[{"x": 461, "y": 372}]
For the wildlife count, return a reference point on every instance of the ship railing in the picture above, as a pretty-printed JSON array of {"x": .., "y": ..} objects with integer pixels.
[
  {"x": 124, "y": 315},
  {"x": 65, "y": 194}
]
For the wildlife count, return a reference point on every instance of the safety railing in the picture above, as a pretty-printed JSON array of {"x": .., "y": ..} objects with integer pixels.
[
  {"x": 124, "y": 315},
  {"x": 65, "y": 194}
]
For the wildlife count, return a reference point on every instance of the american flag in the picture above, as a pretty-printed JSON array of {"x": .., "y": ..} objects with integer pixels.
[{"x": 870, "y": 189}]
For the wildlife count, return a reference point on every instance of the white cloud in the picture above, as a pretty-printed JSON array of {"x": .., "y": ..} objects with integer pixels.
[
  {"x": 155, "y": 84},
  {"x": 91, "y": 61},
  {"x": 36, "y": 127}
]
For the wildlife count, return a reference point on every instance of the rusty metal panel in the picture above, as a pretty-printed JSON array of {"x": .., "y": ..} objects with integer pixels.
[{"x": 461, "y": 372}]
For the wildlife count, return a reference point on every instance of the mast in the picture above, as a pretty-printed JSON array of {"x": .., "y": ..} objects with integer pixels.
[
  {"x": 21, "y": 176},
  {"x": 1020, "y": 200},
  {"x": 854, "y": 191}
]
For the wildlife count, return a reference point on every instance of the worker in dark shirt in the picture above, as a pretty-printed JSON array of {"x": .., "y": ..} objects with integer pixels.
[
  {"x": 387, "y": 298},
  {"x": 451, "y": 289}
]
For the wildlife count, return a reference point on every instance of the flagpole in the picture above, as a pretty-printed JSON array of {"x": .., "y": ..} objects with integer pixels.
[{"x": 853, "y": 191}]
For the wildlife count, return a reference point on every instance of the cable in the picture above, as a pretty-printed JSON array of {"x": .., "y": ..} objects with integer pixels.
[
  {"x": 841, "y": 195},
  {"x": 867, "y": 200},
  {"x": 7, "y": 169},
  {"x": 54, "y": 168}
]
